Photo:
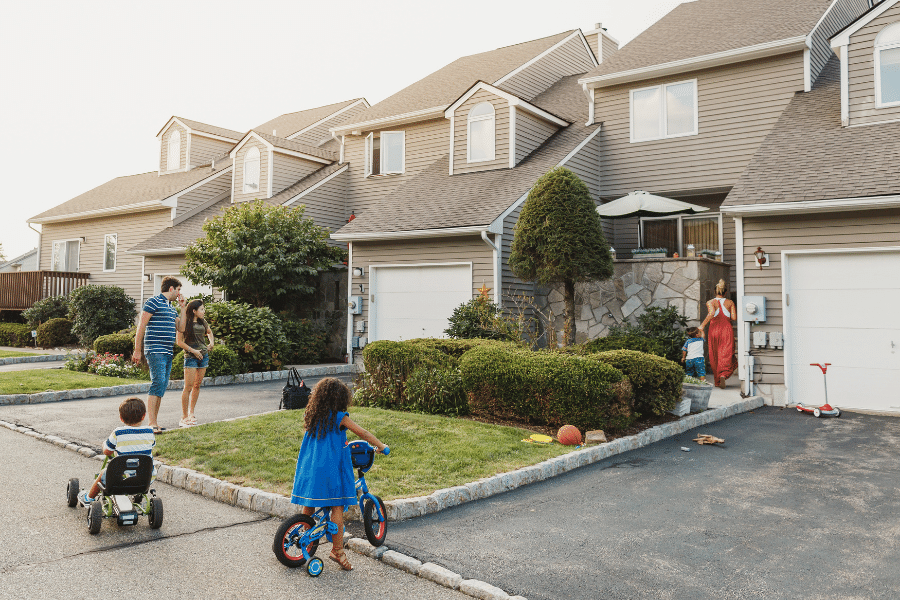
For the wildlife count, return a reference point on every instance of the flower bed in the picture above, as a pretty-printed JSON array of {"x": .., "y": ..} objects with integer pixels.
[{"x": 107, "y": 365}]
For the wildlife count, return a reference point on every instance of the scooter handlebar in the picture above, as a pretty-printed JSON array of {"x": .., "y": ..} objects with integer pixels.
[{"x": 823, "y": 366}]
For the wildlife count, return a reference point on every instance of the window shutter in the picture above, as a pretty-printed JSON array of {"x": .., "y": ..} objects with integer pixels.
[
  {"x": 173, "y": 160},
  {"x": 370, "y": 139}
]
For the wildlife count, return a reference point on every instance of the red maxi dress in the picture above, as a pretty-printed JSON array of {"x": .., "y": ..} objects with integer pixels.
[{"x": 722, "y": 360}]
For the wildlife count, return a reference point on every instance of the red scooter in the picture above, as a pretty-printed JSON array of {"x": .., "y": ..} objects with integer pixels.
[{"x": 826, "y": 410}]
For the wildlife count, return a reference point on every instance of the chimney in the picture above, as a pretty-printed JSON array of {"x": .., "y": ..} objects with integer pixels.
[{"x": 603, "y": 44}]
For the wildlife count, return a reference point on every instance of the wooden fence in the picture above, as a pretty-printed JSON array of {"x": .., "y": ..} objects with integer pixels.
[{"x": 21, "y": 290}]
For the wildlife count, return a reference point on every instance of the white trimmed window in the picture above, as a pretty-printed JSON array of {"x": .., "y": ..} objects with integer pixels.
[
  {"x": 664, "y": 111},
  {"x": 173, "y": 158},
  {"x": 481, "y": 133},
  {"x": 110, "y": 242},
  {"x": 887, "y": 66},
  {"x": 251, "y": 171},
  {"x": 65, "y": 255},
  {"x": 385, "y": 155},
  {"x": 675, "y": 233}
]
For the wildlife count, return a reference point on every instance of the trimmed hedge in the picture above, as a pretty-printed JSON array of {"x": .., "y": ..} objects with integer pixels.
[
  {"x": 15, "y": 334},
  {"x": 115, "y": 343},
  {"x": 55, "y": 307},
  {"x": 656, "y": 381},
  {"x": 222, "y": 361},
  {"x": 255, "y": 334},
  {"x": 547, "y": 388},
  {"x": 55, "y": 332},
  {"x": 639, "y": 343}
]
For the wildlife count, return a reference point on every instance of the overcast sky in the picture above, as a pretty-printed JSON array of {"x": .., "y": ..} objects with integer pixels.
[{"x": 87, "y": 85}]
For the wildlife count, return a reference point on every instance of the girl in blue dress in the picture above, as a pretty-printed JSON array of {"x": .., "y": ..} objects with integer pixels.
[{"x": 324, "y": 475}]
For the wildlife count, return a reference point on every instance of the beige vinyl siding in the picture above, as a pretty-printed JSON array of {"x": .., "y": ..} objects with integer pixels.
[
  {"x": 511, "y": 286},
  {"x": 738, "y": 106},
  {"x": 204, "y": 149},
  {"x": 586, "y": 164},
  {"x": 803, "y": 232},
  {"x": 841, "y": 14},
  {"x": 320, "y": 134},
  {"x": 130, "y": 228},
  {"x": 609, "y": 48},
  {"x": 425, "y": 143},
  {"x": 289, "y": 170},
  {"x": 531, "y": 132},
  {"x": 414, "y": 252},
  {"x": 327, "y": 204},
  {"x": 569, "y": 59},
  {"x": 203, "y": 194},
  {"x": 461, "y": 133},
  {"x": 164, "y": 147},
  {"x": 861, "y": 72},
  {"x": 238, "y": 194},
  {"x": 594, "y": 40},
  {"x": 169, "y": 264}
]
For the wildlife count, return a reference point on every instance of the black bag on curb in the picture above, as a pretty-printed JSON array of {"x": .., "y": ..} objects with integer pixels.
[{"x": 295, "y": 394}]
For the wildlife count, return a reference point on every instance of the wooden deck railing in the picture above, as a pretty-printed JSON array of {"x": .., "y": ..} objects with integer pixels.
[{"x": 19, "y": 291}]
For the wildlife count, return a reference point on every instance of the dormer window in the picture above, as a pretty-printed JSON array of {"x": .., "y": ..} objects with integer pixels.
[
  {"x": 173, "y": 157},
  {"x": 385, "y": 155},
  {"x": 481, "y": 133},
  {"x": 251, "y": 171},
  {"x": 664, "y": 111},
  {"x": 887, "y": 66}
]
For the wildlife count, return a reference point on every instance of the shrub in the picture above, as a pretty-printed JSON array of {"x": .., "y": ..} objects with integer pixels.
[
  {"x": 222, "y": 361},
  {"x": 547, "y": 388},
  {"x": 115, "y": 365},
  {"x": 78, "y": 362},
  {"x": 55, "y": 332},
  {"x": 255, "y": 334},
  {"x": 456, "y": 348},
  {"x": 98, "y": 310},
  {"x": 656, "y": 381},
  {"x": 479, "y": 318},
  {"x": 436, "y": 391},
  {"x": 15, "y": 334},
  {"x": 55, "y": 307},
  {"x": 115, "y": 343},
  {"x": 388, "y": 365},
  {"x": 627, "y": 341},
  {"x": 305, "y": 341}
]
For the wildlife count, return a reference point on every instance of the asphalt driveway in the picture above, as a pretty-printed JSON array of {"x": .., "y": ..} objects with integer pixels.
[{"x": 790, "y": 507}]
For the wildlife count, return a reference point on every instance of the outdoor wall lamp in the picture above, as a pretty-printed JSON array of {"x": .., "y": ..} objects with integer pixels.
[
  {"x": 762, "y": 259},
  {"x": 358, "y": 271},
  {"x": 147, "y": 276}
]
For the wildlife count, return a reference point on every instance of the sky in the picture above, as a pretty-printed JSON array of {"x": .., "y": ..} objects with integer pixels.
[{"x": 88, "y": 85}]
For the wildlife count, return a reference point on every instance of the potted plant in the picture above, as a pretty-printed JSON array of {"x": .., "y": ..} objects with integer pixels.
[
  {"x": 649, "y": 252},
  {"x": 697, "y": 392}
]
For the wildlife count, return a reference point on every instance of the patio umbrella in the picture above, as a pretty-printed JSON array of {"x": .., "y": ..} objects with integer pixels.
[{"x": 643, "y": 204}]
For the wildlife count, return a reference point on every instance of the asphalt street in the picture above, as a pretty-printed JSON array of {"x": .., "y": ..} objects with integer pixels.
[
  {"x": 203, "y": 550},
  {"x": 790, "y": 507}
]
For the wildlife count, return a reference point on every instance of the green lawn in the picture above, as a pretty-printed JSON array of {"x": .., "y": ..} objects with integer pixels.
[
  {"x": 428, "y": 453},
  {"x": 12, "y": 353},
  {"x": 45, "y": 380}
]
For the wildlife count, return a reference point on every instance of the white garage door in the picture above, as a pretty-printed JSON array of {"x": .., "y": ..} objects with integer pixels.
[
  {"x": 843, "y": 309},
  {"x": 416, "y": 301},
  {"x": 188, "y": 289}
]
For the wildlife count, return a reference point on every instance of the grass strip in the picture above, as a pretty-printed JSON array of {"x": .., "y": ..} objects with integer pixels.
[
  {"x": 428, "y": 452},
  {"x": 54, "y": 380},
  {"x": 14, "y": 354}
]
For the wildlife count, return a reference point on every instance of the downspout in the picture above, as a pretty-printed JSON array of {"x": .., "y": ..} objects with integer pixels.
[
  {"x": 745, "y": 362},
  {"x": 40, "y": 241},
  {"x": 496, "y": 256},
  {"x": 143, "y": 271},
  {"x": 349, "y": 293}
]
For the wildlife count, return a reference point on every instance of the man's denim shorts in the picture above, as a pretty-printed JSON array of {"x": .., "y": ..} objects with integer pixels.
[
  {"x": 160, "y": 369},
  {"x": 192, "y": 362}
]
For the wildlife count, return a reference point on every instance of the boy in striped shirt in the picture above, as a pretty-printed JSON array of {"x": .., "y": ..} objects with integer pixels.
[{"x": 131, "y": 439}]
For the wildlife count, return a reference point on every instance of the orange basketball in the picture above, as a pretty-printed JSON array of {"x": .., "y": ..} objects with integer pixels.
[{"x": 568, "y": 435}]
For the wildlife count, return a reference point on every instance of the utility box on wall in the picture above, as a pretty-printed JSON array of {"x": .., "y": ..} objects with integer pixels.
[
  {"x": 753, "y": 309},
  {"x": 355, "y": 305}
]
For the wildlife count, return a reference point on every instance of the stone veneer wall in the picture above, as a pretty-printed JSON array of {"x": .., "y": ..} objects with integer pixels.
[{"x": 685, "y": 283}]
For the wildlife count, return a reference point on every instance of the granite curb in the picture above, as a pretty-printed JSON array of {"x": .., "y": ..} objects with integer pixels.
[
  {"x": 15, "y": 360},
  {"x": 144, "y": 387}
]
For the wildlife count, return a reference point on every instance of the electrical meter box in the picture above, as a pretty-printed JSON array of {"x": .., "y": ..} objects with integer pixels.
[
  {"x": 355, "y": 305},
  {"x": 753, "y": 309}
]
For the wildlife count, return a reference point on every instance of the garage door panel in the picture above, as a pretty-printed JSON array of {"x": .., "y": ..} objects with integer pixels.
[
  {"x": 857, "y": 348},
  {"x": 438, "y": 280},
  {"x": 841, "y": 271},
  {"x": 864, "y": 308}
]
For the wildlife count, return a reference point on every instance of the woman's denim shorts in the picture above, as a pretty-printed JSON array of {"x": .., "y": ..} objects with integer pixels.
[{"x": 192, "y": 362}]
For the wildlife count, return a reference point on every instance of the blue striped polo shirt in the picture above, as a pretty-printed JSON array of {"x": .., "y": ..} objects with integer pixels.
[
  {"x": 159, "y": 337},
  {"x": 131, "y": 440}
]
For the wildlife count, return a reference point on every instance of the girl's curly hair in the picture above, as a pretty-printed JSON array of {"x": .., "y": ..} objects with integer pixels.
[{"x": 329, "y": 397}]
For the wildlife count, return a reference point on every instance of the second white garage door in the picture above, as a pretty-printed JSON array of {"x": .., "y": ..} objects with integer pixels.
[
  {"x": 416, "y": 301},
  {"x": 843, "y": 310}
]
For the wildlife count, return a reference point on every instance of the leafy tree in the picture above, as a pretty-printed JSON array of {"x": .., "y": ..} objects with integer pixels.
[
  {"x": 559, "y": 239},
  {"x": 260, "y": 254}
]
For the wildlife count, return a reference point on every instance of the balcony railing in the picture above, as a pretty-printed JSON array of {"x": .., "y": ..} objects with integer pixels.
[{"x": 19, "y": 291}]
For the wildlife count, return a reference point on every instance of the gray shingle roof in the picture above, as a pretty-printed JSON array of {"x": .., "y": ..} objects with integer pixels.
[
  {"x": 809, "y": 156},
  {"x": 182, "y": 235},
  {"x": 304, "y": 184},
  {"x": 280, "y": 142},
  {"x": 133, "y": 189},
  {"x": 434, "y": 200},
  {"x": 221, "y": 131},
  {"x": 288, "y": 124},
  {"x": 708, "y": 26},
  {"x": 447, "y": 84}
]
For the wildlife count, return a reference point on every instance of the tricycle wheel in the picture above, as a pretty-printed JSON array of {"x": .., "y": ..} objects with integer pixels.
[
  {"x": 156, "y": 513},
  {"x": 286, "y": 545},
  {"x": 315, "y": 566},
  {"x": 817, "y": 413},
  {"x": 95, "y": 516},
  {"x": 376, "y": 531},
  {"x": 72, "y": 493}
]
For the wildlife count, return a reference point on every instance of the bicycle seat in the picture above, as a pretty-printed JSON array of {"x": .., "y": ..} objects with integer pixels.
[{"x": 127, "y": 475}]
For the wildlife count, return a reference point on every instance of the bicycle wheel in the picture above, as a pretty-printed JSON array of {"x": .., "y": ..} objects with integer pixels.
[
  {"x": 376, "y": 531},
  {"x": 286, "y": 545}
]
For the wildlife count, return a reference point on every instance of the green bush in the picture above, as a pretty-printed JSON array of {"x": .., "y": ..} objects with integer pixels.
[
  {"x": 305, "y": 342},
  {"x": 81, "y": 363},
  {"x": 388, "y": 365},
  {"x": 479, "y": 318},
  {"x": 115, "y": 343},
  {"x": 222, "y": 361},
  {"x": 55, "y": 332},
  {"x": 626, "y": 341},
  {"x": 456, "y": 348},
  {"x": 98, "y": 310},
  {"x": 55, "y": 307},
  {"x": 255, "y": 334},
  {"x": 656, "y": 381},
  {"x": 15, "y": 334},
  {"x": 547, "y": 388},
  {"x": 436, "y": 391}
]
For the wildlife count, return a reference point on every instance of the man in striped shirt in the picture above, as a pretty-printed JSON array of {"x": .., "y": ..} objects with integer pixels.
[{"x": 155, "y": 338}]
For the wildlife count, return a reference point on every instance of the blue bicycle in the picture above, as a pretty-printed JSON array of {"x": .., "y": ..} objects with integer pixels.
[{"x": 298, "y": 536}]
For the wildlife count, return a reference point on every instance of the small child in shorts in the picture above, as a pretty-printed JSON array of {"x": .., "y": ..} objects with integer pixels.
[
  {"x": 130, "y": 439},
  {"x": 692, "y": 354}
]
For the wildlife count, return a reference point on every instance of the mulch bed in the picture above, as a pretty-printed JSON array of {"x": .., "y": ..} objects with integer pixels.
[{"x": 636, "y": 427}]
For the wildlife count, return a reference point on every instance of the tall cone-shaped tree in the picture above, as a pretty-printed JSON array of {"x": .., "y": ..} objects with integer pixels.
[{"x": 559, "y": 240}]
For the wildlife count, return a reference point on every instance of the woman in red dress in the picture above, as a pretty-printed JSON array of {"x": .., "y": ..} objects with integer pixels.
[{"x": 722, "y": 313}]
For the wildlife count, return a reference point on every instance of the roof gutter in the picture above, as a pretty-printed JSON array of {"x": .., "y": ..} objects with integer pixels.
[
  {"x": 434, "y": 112},
  {"x": 157, "y": 252},
  {"x": 405, "y": 235},
  {"x": 103, "y": 212},
  {"x": 813, "y": 206},
  {"x": 794, "y": 44}
]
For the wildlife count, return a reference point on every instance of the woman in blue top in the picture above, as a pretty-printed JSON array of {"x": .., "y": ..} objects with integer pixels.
[{"x": 324, "y": 475}]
